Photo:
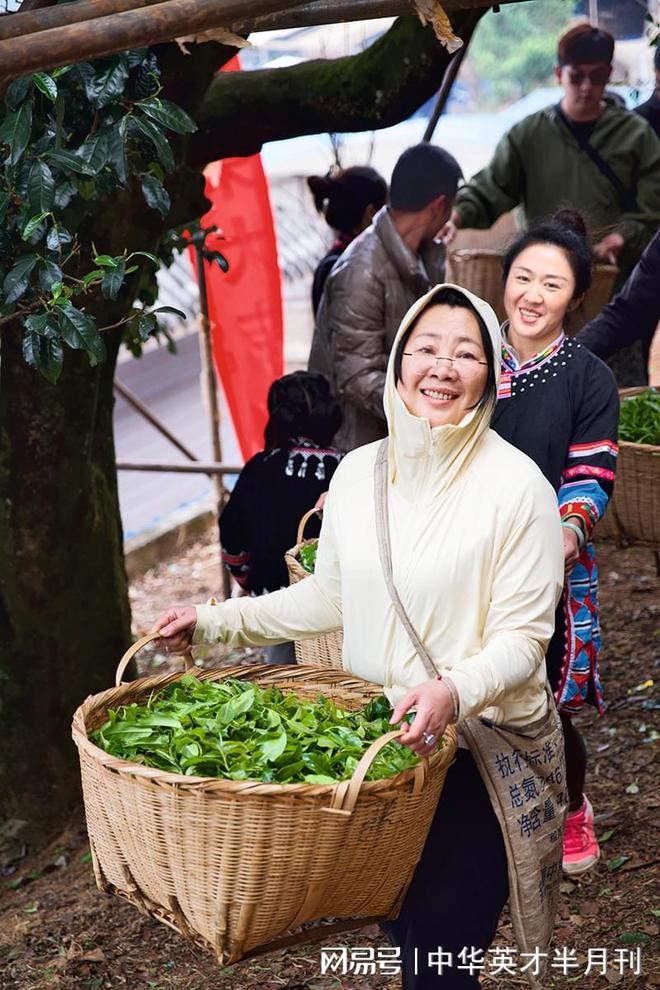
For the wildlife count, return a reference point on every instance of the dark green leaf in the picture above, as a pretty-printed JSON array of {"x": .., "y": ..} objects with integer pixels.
[
  {"x": 169, "y": 115},
  {"x": 106, "y": 260},
  {"x": 44, "y": 353},
  {"x": 95, "y": 152},
  {"x": 634, "y": 938},
  {"x": 45, "y": 324},
  {"x": 69, "y": 162},
  {"x": 116, "y": 137},
  {"x": 113, "y": 280},
  {"x": 61, "y": 71},
  {"x": 170, "y": 309},
  {"x": 155, "y": 194},
  {"x": 86, "y": 188},
  {"x": 617, "y": 862},
  {"x": 17, "y": 91},
  {"x": 18, "y": 278},
  {"x": 32, "y": 225},
  {"x": 80, "y": 332},
  {"x": 58, "y": 237},
  {"x": 220, "y": 261},
  {"x": 91, "y": 277},
  {"x": 15, "y": 131},
  {"x": 49, "y": 274},
  {"x": 136, "y": 57},
  {"x": 145, "y": 254},
  {"x": 157, "y": 138},
  {"x": 4, "y": 205},
  {"x": 108, "y": 87},
  {"x": 41, "y": 188},
  {"x": 64, "y": 193},
  {"x": 36, "y": 322},
  {"x": 146, "y": 325},
  {"x": 46, "y": 84}
]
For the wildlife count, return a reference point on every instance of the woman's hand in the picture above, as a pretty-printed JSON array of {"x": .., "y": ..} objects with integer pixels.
[
  {"x": 571, "y": 550},
  {"x": 609, "y": 248},
  {"x": 435, "y": 707},
  {"x": 176, "y": 627},
  {"x": 448, "y": 233}
]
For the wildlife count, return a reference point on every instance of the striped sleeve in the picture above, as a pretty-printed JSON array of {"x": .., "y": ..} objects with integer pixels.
[{"x": 588, "y": 476}]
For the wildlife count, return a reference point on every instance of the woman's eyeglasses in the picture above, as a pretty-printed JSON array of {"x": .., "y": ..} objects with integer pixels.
[
  {"x": 466, "y": 366},
  {"x": 597, "y": 77}
]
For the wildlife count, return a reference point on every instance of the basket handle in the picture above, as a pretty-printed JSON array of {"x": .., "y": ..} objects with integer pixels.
[
  {"x": 303, "y": 522},
  {"x": 132, "y": 650},
  {"x": 346, "y": 794}
]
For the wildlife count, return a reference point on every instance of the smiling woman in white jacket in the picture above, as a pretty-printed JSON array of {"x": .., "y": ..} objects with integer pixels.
[{"x": 477, "y": 561}]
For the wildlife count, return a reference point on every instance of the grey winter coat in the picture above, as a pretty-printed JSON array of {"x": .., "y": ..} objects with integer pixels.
[{"x": 366, "y": 295}]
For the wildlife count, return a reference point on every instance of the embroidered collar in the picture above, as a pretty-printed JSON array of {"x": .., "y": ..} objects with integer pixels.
[{"x": 511, "y": 361}]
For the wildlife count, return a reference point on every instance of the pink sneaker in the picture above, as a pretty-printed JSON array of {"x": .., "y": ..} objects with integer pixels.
[{"x": 581, "y": 850}]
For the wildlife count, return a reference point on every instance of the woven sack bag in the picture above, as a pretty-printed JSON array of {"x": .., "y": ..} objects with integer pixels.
[
  {"x": 633, "y": 514},
  {"x": 322, "y": 651},
  {"x": 238, "y": 866}
]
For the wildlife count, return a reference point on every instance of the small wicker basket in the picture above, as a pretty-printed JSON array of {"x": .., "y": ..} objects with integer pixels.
[
  {"x": 480, "y": 271},
  {"x": 322, "y": 651},
  {"x": 239, "y": 866},
  {"x": 633, "y": 515}
]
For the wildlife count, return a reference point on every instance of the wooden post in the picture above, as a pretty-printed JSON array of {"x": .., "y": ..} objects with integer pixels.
[
  {"x": 28, "y": 20},
  {"x": 119, "y": 32},
  {"x": 209, "y": 386},
  {"x": 448, "y": 80},
  {"x": 151, "y": 417}
]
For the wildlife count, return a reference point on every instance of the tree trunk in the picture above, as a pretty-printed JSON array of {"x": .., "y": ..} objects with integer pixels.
[{"x": 64, "y": 613}]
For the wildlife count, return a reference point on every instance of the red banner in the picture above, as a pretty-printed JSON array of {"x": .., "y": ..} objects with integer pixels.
[{"x": 245, "y": 304}]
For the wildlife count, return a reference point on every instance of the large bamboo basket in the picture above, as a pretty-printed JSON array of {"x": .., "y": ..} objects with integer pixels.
[
  {"x": 238, "y": 866},
  {"x": 633, "y": 515},
  {"x": 480, "y": 271},
  {"x": 322, "y": 651}
]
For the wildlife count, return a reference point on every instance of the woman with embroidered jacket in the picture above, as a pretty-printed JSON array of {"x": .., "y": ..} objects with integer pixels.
[
  {"x": 278, "y": 485},
  {"x": 477, "y": 562},
  {"x": 558, "y": 403}
]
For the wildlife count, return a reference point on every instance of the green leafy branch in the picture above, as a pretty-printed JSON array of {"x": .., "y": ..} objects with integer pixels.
[{"x": 74, "y": 137}]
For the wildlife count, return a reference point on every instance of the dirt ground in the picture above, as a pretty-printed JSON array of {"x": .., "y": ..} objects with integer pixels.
[{"x": 58, "y": 932}]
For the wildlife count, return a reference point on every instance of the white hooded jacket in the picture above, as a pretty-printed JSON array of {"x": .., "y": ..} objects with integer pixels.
[{"x": 477, "y": 558}]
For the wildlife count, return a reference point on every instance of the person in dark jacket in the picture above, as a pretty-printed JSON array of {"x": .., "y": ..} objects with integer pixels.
[
  {"x": 348, "y": 200},
  {"x": 633, "y": 314},
  {"x": 651, "y": 109},
  {"x": 585, "y": 152},
  {"x": 278, "y": 485},
  {"x": 374, "y": 283}
]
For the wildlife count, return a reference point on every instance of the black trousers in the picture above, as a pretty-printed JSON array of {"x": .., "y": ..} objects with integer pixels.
[{"x": 459, "y": 888}]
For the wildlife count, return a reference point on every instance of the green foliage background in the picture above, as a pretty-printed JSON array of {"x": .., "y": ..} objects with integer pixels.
[{"x": 515, "y": 50}]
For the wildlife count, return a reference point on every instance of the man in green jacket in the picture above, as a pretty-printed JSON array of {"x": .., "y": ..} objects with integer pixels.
[{"x": 585, "y": 152}]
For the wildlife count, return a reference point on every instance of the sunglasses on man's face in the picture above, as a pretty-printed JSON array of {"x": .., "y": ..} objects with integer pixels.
[{"x": 597, "y": 77}]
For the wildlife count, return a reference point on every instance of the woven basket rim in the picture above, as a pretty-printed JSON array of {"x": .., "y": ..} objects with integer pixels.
[
  {"x": 628, "y": 393},
  {"x": 182, "y": 782},
  {"x": 646, "y": 448}
]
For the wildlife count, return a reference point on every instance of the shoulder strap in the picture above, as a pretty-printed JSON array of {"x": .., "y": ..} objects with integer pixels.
[
  {"x": 385, "y": 553},
  {"x": 627, "y": 198}
]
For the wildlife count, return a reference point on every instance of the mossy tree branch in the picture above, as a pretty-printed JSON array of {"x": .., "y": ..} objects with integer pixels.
[{"x": 376, "y": 88}]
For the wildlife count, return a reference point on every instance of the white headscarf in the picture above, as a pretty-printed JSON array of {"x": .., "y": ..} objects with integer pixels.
[{"x": 424, "y": 460}]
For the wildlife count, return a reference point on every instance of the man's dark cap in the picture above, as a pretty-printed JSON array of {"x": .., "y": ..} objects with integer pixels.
[
  {"x": 585, "y": 45},
  {"x": 421, "y": 174}
]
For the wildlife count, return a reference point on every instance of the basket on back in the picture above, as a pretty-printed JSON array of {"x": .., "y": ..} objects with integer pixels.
[
  {"x": 237, "y": 866},
  {"x": 633, "y": 514},
  {"x": 322, "y": 651},
  {"x": 480, "y": 271}
]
